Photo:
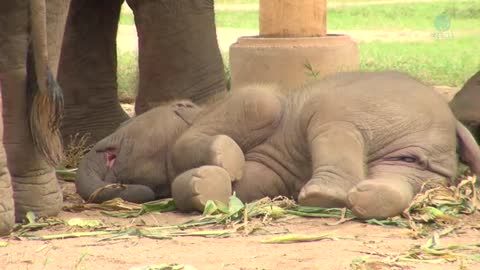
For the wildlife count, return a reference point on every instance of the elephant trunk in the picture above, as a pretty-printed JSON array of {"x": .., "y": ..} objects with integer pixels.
[{"x": 94, "y": 178}]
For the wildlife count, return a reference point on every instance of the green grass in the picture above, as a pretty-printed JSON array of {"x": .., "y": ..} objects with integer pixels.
[
  {"x": 417, "y": 16},
  {"x": 126, "y": 19},
  {"x": 443, "y": 62},
  {"x": 464, "y": 15},
  {"x": 237, "y": 19},
  {"x": 127, "y": 75}
]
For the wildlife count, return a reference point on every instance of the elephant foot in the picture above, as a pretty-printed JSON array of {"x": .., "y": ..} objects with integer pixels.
[
  {"x": 40, "y": 194},
  {"x": 92, "y": 123},
  {"x": 317, "y": 193},
  {"x": 225, "y": 153},
  {"x": 379, "y": 198},
  {"x": 192, "y": 189},
  {"x": 7, "y": 218}
]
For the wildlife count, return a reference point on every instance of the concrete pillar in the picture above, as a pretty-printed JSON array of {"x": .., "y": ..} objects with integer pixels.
[
  {"x": 293, "y": 18},
  {"x": 293, "y": 47}
]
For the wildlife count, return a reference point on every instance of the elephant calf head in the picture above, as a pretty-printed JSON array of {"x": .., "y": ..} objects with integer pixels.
[
  {"x": 136, "y": 155},
  {"x": 466, "y": 105}
]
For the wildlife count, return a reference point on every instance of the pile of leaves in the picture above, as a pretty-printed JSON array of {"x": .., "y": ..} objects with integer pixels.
[
  {"x": 435, "y": 208},
  {"x": 433, "y": 213},
  {"x": 443, "y": 206}
]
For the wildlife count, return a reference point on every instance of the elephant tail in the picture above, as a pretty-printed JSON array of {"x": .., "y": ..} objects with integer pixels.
[
  {"x": 45, "y": 95},
  {"x": 92, "y": 187},
  {"x": 468, "y": 148}
]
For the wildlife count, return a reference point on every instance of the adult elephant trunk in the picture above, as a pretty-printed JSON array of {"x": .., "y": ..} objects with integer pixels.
[
  {"x": 94, "y": 177},
  {"x": 35, "y": 186},
  {"x": 179, "y": 56}
]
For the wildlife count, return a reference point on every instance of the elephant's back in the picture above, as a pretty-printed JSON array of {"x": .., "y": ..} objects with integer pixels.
[
  {"x": 389, "y": 85},
  {"x": 375, "y": 93}
]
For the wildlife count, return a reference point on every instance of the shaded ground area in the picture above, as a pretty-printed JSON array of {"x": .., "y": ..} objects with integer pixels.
[
  {"x": 127, "y": 36},
  {"x": 353, "y": 242}
]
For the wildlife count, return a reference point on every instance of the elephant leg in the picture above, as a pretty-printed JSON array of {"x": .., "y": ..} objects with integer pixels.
[
  {"x": 259, "y": 181},
  {"x": 380, "y": 197},
  {"x": 7, "y": 217},
  {"x": 218, "y": 150},
  {"x": 88, "y": 70},
  {"x": 228, "y": 129},
  {"x": 35, "y": 186},
  {"x": 192, "y": 189},
  {"x": 337, "y": 153},
  {"x": 34, "y": 182},
  {"x": 179, "y": 56}
]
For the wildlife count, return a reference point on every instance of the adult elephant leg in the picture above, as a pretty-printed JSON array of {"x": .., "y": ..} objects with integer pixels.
[
  {"x": 179, "y": 56},
  {"x": 34, "y": 183},
  {"x": 7, "y": 217},
  {"x": 88, "y": 70}
]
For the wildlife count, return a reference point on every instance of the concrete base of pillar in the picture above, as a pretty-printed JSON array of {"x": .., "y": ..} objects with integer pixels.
[{"x": 284, "y": 61}]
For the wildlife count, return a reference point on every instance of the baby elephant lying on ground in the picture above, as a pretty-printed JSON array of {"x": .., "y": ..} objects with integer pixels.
[{"x": 367, "y": 141}]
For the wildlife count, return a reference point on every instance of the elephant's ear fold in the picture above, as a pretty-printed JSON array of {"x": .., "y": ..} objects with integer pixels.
[
  {"x": 186, "y": 110},
  {"x": 468, "y": 148}
]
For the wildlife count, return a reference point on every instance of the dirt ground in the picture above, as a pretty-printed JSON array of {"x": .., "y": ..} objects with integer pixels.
[{"x": 355, "y": 240}]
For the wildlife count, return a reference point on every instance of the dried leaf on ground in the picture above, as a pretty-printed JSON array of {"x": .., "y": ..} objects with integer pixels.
[{"x": 295, "y": 238}]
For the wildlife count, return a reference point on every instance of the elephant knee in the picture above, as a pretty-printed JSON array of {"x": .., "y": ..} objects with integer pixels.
[{"x": 262, "y": 107}]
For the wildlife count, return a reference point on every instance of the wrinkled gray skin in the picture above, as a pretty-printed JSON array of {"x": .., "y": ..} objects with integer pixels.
[
  {"x": 466, "y": 105},
  {"x": 367, "y": 141},
  {"x": 137, "y": 154}
]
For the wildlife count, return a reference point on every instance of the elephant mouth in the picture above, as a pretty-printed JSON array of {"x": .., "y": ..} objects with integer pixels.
[{"x": 110, "y": 158}]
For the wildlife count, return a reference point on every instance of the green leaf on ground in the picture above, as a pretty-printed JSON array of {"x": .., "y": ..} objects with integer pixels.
[
  {"x": 295, "y": 238},
  {"x": 88, "y": 223}
]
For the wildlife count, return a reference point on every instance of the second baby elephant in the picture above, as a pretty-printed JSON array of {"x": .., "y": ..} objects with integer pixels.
[
  {"x": 367, "y": 141},
  {"x": 466, "y": 105}
]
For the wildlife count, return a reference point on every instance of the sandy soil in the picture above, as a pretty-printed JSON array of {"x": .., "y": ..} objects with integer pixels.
[{"x": 356, "y": 240}]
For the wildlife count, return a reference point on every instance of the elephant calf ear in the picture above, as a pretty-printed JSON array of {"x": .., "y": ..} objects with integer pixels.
[
  {"x": 468, "y": 148},
  {"x": 186, "y": 110}
]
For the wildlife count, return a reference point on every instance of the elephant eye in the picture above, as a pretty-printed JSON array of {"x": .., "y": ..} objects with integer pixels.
[{"x": 408, "y": 159}]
